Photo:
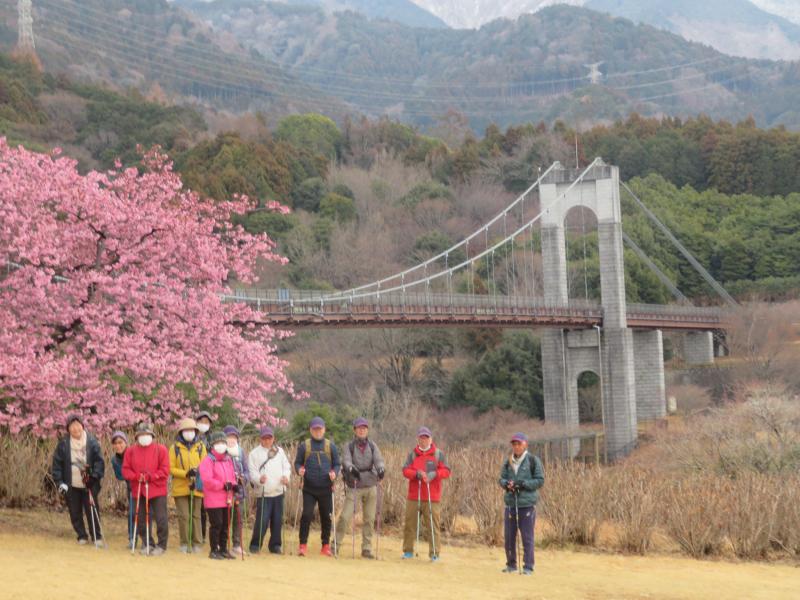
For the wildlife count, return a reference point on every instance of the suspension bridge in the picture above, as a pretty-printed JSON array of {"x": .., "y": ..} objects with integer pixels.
[{"x": 513, "y": 272}]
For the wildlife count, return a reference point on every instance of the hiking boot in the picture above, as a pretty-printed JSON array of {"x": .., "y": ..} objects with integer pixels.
[
  {"x": 197, "y": 549},
  {"x": 83, "y": 541},
  {"x": 510, "y": 569},
  {"x": 527, "y": 571},
  {"x": 367, "y": 554},
  {"x": 157, "y": 551},
  {"x": 276, "y": 550},
  {"x": 237, "y": 551},
  {"x": 408, "y": 555},
  {"x": 99, "y": 543},
  {"x": 302, "y": 550},
  {"x": 183, "y": 549},
  {"x": 227, "y": 555},
  {"x": 215, "y": 555},
  {"x": 434, "y": 559},
  {"x": 326, "y": 550}
]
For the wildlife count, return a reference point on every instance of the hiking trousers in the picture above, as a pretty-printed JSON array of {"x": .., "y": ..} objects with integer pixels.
[
  {"x": 413, "y": 509},
  {"x": 368, "y": 499}
]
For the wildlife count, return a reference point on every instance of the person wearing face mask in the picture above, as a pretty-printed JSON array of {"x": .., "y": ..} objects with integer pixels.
[
  {"x": 146, "y": 467},
  {"x": 425, "y": 468},
  {"x": 119, "y": 444},
  {"x": 239, "y": 458},
  {"x": 219, "y": 485},
  {"x": 78, "y": 467},
  {"x": 204, "y": 423},
  {"x": 185, "y": 456}
]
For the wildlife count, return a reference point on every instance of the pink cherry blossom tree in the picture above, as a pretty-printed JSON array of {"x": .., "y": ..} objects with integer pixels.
[{"x": 110, "y": 298}]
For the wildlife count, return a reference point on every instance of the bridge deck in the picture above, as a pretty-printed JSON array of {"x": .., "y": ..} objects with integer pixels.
[{"x": 292, "y": 309}]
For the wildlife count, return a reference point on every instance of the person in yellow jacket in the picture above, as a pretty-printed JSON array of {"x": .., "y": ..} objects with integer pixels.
[{"x": 185, "y": 456}]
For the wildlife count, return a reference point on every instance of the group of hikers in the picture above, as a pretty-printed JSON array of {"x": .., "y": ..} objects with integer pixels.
[{"x": 212, "y": 474}]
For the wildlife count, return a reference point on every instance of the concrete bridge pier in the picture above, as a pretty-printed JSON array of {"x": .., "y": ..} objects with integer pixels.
[{"x": 565, "y": 355}]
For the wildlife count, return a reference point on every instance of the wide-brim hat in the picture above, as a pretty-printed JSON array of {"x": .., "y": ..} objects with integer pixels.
[{"x": 187, "y": 423}]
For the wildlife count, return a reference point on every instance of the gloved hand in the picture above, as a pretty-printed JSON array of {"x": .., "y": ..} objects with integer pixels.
[
  {"x": 144, "y": 477},
  {"x": 381, "y": 473},
  {"x": 62, "y": 489},
  {"x": 228, "y": 486},
  {"x": 353, "y": 472},
  {"x": 519, "y": 485},
  {"x": 510, "y": 485},
  {"x": 237, "y": 489},
  {"x": 191, "y": 473},
  {"x": 422, "y": 476},
  {"x": 191, "y": 485}
]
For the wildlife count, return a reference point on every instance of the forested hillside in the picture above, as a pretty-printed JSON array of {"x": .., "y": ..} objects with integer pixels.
[{"x": 511, "y": 71}]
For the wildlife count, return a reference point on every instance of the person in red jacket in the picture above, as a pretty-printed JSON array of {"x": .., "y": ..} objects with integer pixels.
[
  {"x": 425, "y": 468},
  {"x": 146, "y": 467}
]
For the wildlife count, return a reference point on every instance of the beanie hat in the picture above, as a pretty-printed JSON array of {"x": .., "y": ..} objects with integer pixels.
[
  {"x": 119, "y": 434},
  {"x": 217, "y": 436},
  {"x": 231, "y": 430}
]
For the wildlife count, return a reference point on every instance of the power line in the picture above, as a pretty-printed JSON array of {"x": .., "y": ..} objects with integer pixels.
[{"x": 103, "y": 17}]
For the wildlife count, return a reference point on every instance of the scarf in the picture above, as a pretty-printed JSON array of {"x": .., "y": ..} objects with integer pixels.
[
  {"x": 77, "y": 451},
  {"x": 516, "y": 462}
]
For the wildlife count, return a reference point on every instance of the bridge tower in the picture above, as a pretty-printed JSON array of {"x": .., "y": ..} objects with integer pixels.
[{"x": 629, "y": 363}]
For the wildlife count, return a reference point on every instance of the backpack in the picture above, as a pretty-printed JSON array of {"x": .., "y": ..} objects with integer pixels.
[{"x": 326, "y": 449}]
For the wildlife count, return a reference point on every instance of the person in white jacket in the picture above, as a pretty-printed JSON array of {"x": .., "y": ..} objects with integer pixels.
[{"x": 269, "y": 473}]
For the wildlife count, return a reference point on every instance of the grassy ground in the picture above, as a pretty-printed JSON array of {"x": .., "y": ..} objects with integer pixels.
[{"x": 41, "y": 560}]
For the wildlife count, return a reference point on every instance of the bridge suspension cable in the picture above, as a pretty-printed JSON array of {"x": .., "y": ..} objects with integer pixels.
[
  {"x": 489, "y": 251},
  {"x": 723, "y": 293}
]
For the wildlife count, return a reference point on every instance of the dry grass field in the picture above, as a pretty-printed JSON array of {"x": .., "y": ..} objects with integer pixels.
[{"x": 40, "y": 559}]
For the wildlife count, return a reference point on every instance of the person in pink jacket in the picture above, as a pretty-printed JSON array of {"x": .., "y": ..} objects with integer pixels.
[{"x": 219, "y": 485}]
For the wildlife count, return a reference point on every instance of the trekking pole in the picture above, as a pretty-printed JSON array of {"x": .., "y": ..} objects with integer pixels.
[
  {"x": 230, "y": 522},
  {"x": 419, "y": 517},
  {"x": 190, "y": 544},
  {"x": 136, "y": 518},
  {"x": 517, "y": 529},
  {"x": 89, "y": 499},
  {"x": 242, "y": 519},
  {"x": 333, "y": 518},
  {"x": 378, "y": 518},
  {"x": 261, "y": 518},
  {"x": 355, "y": 498},
  {"x": 297, "y": 513},
  {"x": 147, "y": 514},
  {"x": 94, "y": 514},
  {"x": 131, "y": 528},
  {"x": 430, "y": 514}
]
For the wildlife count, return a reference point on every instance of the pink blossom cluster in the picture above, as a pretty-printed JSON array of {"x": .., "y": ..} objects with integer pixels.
[{"x": 115, "y": 298}]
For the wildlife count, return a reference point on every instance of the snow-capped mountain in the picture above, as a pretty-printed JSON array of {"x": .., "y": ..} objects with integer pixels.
[
  {"x": 471, "y": 14},
  {"x": 788, "y": 9},
  {"x": 736, "y": 27}
]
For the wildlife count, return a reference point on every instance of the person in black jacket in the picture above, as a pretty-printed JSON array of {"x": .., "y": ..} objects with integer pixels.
[
  {"x": 317, "y": 462},
  {"x": 78, "y": 466}
]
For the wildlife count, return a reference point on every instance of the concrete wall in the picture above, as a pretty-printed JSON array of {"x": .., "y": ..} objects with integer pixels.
[
  {"x": 648, "y": 358},
  {"x": 698, "y": 348}
]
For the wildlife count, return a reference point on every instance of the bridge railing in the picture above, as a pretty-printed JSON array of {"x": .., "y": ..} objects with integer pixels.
[{"x": 315, "y": 301}]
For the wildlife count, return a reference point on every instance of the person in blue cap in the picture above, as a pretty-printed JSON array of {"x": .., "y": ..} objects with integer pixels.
[
  {"x": 363, "y": 467},
  {"x": 317, "y": 462},
  {"x": 269, "y": 473},
  {"x": 521, "y": 477}
]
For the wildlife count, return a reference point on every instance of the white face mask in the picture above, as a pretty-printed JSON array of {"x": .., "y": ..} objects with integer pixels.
[
  {"x": 145, "y": 439},
  {"x": 203, "y": 427},
  {"x": 220, "y": 448},
  {"x": 233, "y": 450},
  {"x": 188, "y": 435}
]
